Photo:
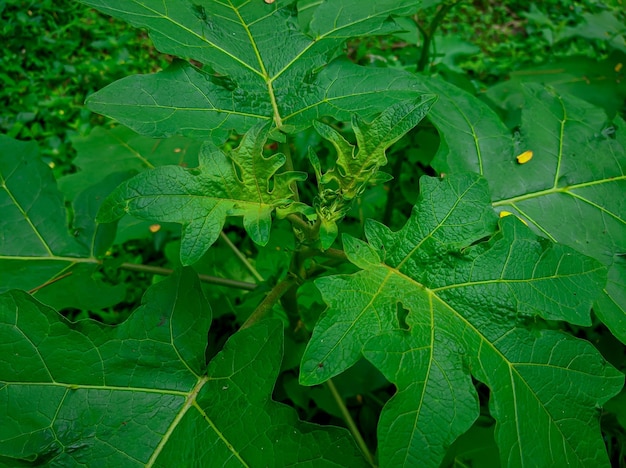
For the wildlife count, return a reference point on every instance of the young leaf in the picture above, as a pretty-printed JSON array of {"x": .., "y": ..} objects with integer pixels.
[
  {"x": 140, "y": 394},
  {"x": 243, "y": 183},
  {"x": 356, "y": 168},
  {"x": 258, "y": 66},
  {"x": 467, "y": 302}
]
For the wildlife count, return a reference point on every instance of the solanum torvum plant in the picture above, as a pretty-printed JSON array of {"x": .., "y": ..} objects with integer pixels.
[{"x": 457, "y": 320}]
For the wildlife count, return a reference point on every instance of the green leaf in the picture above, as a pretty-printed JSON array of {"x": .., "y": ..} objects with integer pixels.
[
  {"x": 572, "y": 190},
  {"x": 586, "y": 78},
  {"x": 357, "y": 166},
  {"x": 258, "y": 65},
  {"x": 472, "y": 135},
  {"x": 105, "y": 152},
  {"x": 577, "y": 173},
  {"x": 603, "y": 26},
  {"x": 37, "y": 251},
  {"x": 140, "y": 394},
  {"x": 470, "y": 308},
  {"x": 243, "y": 183},
  {"x": 35, "y": 243}
]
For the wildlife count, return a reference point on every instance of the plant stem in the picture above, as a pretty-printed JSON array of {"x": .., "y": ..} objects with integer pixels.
[
  {"x": 49, "y": 282},
  {"x": 429, "y": 33},
  {"x": 204, "y": 278},
  {"x": 350, "y": 422},
  {"x": 241, "y": 257},
  {"x": 272, "y": 298},
  {"x": 391, "y": 194},
  {"x": 286, "y": 150}
]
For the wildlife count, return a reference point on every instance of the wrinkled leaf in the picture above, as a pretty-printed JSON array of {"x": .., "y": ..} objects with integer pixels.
[
  {"x": 358, "y": 166},
  {"x": 259, "y": 61},
  {"x": 242, "y": 183},
  {"x": 140, "y": 394},
  {"x": 468, "y": 302}
]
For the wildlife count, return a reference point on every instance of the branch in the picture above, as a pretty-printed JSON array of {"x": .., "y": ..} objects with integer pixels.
[
  {"x": 204, "y": 278},
  {"x": 264, "y": 308}
]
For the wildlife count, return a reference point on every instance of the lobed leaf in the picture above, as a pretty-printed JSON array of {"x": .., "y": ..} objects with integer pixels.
[
  {"x": 140, "y": 394},
  {"x": 578, "y": 172},
  {"x": 435, "y": 304},
  {"x": 243, "y": 183},
  {"x": 260, "y": 63}
]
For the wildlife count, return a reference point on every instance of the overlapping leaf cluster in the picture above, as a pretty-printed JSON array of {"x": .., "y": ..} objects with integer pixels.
[
  {"x": 570, "y": 192},
  {"x": 452, "y": 298},
  {"x": 278, "y": 62},
  {"x": 237, "y": 184}
]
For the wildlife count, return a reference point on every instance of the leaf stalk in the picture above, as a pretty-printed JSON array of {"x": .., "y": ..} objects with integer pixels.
[{"x": 350, "y": 422}]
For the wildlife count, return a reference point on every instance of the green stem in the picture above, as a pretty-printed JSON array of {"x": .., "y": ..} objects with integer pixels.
[
  {"x": 241, "y": 257},
  {"x": 286, "y": 150},
  {"x": 391, "y": 194},
  {"x": 264, "y": 308},
  {"x": 300, "y": 223},
  {"x": 204, "y": 278},
  {"x": 429, "y": 33},
  {"x": 350, "y": 422}
]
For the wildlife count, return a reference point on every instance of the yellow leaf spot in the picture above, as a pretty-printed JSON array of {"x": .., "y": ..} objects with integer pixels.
[
  {"x": 155, "y": 228},
  {"x": 269, "y": 1},
  {"x": 618, "y": 67},
  {"x": 177, "y": 150},
  {"x": 508, "y": 213},
  {"x": 525, "y": 157}
]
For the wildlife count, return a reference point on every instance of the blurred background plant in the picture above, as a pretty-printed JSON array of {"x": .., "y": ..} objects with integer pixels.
[{"x": 54, "y": 54}]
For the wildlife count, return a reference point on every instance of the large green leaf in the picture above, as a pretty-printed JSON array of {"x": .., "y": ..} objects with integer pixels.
[
  {"x": 140, "y": 394},
  {"x": 435, "y": 304},
  {"x": 572, "y": 191},
  {"x": 260, "y": 62},
  {"x": 242, "y": 183},
  {"x": 588, "y": 78}
]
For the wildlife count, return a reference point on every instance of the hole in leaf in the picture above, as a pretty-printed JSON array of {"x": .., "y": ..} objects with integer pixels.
[{"x": 401, "y": 314}]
